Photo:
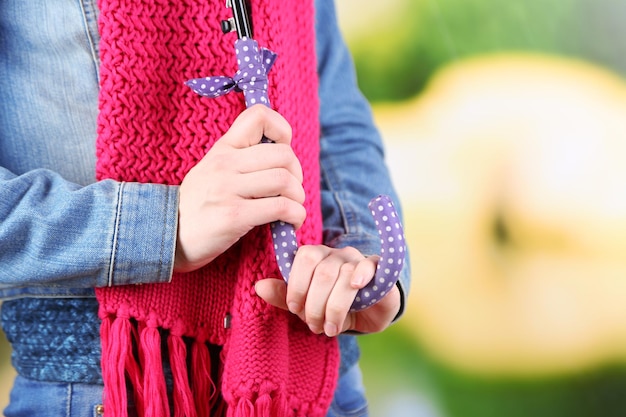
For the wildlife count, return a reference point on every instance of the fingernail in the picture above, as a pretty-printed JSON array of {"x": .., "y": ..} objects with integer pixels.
[
  {"x": 294, "y": 307},
  {"x": 314, "y": 329},
  {"x": 358, "y": 281},
  {"x": 330, "y": 329}
]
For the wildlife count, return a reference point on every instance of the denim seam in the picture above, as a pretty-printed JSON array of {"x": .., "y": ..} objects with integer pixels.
[
  {"x": 163, "y": 236},
  {"x": 328, "y": 175},
  {"x": 172, "y": 255},
  {"x": 68, "y": 399},
  {"x": 90, "y": 38},
  {"x": 114, "y": 243}
]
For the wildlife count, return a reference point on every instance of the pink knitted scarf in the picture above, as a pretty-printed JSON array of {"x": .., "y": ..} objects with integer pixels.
[{"x": 152, "y": 128}]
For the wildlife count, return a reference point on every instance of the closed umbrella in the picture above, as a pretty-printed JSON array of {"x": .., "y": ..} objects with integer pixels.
[{"x": 254, "y": 64}]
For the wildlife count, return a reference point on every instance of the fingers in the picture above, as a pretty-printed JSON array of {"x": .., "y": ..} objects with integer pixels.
[
  {"x": 273, "y": 291},
  {"x": 327, "y": 284},
  {"x": 364, "y": 272},
  {"x": 248, "y": 130},
  {"x": 264, "y": 155},
  {"x": 377, "y": 317},
  {"x": 255, "y": 212},
  {"x": 320, "y": 292},
  {"x": 305, "y": 261},
  {"x": 270, "y": 183},
  {"x": 320, "y": 289},
  {"x": 237, "y": 185},
  {"x": 337, "y": 307},
  {"x": 337, "y": 317},
  {"x": 254, "y": 123}
]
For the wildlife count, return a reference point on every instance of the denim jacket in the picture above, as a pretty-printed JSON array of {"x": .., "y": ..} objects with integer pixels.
[{"x": 62, "y": 233}]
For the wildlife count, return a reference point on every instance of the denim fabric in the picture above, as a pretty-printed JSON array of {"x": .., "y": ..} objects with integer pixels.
[
  {"x": 61, "y": 233},
  {"x": 51, "y": 343},
  {"x": 352, "y": 157},
  {"x": 106, "y": 233},
  {"x": 349, "y": 399},
  {"x": 55, "y": 399}
]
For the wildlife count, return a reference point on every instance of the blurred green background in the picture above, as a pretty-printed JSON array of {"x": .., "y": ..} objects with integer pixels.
[
  {"x": 408, "y": 40},
  {"x": 400, "y": 47}
]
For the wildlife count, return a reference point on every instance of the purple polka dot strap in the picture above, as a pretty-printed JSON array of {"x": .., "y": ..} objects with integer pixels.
[
  {"x": 393, "y": 249},
  {"x": 251, "y": 78},
  {"x": 254, "y": 64}
]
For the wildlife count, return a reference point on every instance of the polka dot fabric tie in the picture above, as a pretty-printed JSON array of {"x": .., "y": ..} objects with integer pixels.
[{"x": 254, "y": 64}]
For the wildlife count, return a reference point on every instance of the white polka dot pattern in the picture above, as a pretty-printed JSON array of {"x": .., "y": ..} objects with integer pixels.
[
  {"x": 285, "y": 246},
  {"x": 251, "y": 78},
  {"x": 253, "y": 62},
  {"x": 393, "y": 250}
]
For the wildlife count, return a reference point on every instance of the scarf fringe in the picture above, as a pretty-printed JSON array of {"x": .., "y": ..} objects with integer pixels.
[
  {"x": 114, "y": 358},
  {"x": 132, "y": 359},
  {"x": 155, "y": 390},
  {"x": 183, "y": 396},
  {"x": 142, "y": 72},
  {"x": 133, "y": 373},
  {"x": 264, "y": 406},
  {"x": 205, "y": 392}
]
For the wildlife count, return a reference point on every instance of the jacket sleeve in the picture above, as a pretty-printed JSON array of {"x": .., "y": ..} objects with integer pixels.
[
  {"x": 61, "y": 233},
  {"x": 57, "y": 234},
  {"x": 352, "y": 153}
]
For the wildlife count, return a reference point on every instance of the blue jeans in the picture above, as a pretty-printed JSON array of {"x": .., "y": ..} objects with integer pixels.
[
  {"x": 49, "y": 399},
  {"x": 43, "y": 399},
  {"x": 349, "y": 399}
]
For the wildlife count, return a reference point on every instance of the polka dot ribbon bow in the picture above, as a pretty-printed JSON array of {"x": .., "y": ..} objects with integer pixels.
[{"x": 254, "y": 64}]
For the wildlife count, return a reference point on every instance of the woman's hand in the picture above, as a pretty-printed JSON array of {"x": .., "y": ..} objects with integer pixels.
[
  {"x": 322, "y": 286},
  {"x": 239, "y": 184}
]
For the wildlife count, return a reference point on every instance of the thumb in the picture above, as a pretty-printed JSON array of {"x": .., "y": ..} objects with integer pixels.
[
  {"x": 273, "y": 291},
  {"x": 254, "y": 123}
]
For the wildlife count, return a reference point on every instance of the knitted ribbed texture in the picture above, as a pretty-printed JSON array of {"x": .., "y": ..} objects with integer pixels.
[{"x": 152, "y": 128}]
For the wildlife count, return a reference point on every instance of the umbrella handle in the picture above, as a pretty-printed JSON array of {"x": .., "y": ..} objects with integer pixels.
[
  {"x": 254, "y": 63},
  {"x": 382, "y": 209},
  {"x": 393, "y": 250}
]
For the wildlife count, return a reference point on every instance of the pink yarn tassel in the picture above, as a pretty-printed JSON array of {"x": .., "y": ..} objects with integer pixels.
[
  {"x": 134, "y": 375},
  {"x": 263, "y": 406},
  {"x": 155, "y": 391},
  {"x": 116, "y": 344},
  {"x": 243, "y": 408},
  {"x": 183, "y": 397},
  {"x": 203, "y": 387}
]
